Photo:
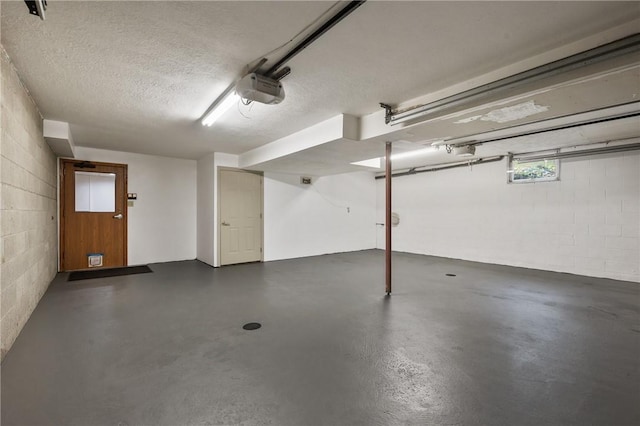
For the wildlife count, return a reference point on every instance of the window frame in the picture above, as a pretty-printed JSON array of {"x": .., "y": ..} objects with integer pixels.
[{"x": 510, "y": 171}]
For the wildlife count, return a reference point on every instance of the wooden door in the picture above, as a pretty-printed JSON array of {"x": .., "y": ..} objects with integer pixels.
[
  {"x": 240, "y": 217},
  {"x": 93, "y": 215}
]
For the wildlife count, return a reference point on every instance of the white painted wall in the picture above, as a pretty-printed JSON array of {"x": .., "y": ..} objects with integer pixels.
[
  {"x": 587, "y": 223},
  {"x": 208, "y": 168},
  {"x": 206, "y": 209},
  {"x": 162, "y": 222},
  {"x": 307, "y": 220}
]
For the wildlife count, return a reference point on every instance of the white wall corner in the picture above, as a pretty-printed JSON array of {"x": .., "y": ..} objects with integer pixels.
[
  {"x": 205, "y": 205},
  {"x": 222, "y": 159},
  {"x": 57, "y": 134}
]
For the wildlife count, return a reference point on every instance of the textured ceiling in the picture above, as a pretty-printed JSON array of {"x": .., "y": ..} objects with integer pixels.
[{"x": 136, "y": 76}]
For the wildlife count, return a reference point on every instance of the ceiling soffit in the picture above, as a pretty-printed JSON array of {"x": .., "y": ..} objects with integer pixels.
[{"x": 561, "y": 100}]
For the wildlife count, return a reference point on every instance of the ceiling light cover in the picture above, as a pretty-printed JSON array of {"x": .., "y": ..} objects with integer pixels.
[
  {"x": 374, "y": 163},
  {"x": 414, "y": 153},
  {"x": 220, "y": 108}
]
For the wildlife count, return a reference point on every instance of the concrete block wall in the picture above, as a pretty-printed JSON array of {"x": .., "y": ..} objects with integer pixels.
[
  {"x": 28, "y": 214},
  {"x": 587, "y": 223}
]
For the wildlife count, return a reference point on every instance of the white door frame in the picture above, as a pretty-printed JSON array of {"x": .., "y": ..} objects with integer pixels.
[{"x": 219, "y": 171}]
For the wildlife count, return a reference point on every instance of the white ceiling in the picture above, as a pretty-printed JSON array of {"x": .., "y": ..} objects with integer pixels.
[{"x": 137, "y": 76}]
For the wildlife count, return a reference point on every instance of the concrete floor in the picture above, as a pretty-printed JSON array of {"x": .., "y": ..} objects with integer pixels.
[{"x": 492, "y": 346}]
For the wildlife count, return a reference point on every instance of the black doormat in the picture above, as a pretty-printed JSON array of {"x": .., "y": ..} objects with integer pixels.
[{"x": 109, "y": 272}]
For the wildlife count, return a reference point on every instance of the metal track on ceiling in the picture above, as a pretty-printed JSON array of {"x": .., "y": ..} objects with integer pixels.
[{"x": 625, "y": 46}]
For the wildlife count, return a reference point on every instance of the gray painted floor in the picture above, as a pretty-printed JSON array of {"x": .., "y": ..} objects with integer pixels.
[{"x": 492, "y": 346}]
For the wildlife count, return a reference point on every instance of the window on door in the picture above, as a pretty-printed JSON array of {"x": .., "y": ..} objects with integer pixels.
[{"x": 95, "y": 192}]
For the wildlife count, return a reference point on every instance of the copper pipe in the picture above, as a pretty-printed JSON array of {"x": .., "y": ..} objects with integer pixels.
[{"x": 388, "y": 218}]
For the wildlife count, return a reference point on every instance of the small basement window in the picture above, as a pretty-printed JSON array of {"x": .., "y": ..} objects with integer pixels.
[{"x": 522, "y": 171}]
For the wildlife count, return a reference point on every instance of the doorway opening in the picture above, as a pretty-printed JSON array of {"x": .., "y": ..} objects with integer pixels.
[
  {"x": 240, "y": 216},
  {"x": 93, "y": 215}
]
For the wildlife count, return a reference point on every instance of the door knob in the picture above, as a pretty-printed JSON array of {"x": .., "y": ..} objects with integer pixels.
[
  {"x": 118, "y": 216},
  {"x": 225, "y": 224}
]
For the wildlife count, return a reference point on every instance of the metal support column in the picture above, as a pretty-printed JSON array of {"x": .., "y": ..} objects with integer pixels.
[{"x": 388, "y": 218}]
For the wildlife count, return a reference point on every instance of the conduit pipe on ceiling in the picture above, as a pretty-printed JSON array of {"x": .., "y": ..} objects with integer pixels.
[
  {"x": 529, "y": 156},
  {"x": 580, "y": 153},
  {"x": 624, "y": 46},
  {"x": 444, "y": 166},
  {"x": 462, "y": 139}
]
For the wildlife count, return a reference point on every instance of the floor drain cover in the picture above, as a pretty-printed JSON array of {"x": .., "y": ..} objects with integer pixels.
[
  {"x": 252, "y": 326},
  {"x": 450, "y": 275}
]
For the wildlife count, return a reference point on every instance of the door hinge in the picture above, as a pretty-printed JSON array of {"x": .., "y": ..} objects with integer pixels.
[
  {"x": 260, "y": 249},
  {"x": 260, "y": 215}
]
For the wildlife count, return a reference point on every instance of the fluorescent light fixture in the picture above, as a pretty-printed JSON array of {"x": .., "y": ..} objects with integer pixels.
[
  {"x": 374, "y": 163},
  {"x": 414, "y": 153},
  {"x": 220, "y": 107}
]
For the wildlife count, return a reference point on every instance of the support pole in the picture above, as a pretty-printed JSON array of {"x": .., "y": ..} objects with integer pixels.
[{"x": 388, "y": 218}]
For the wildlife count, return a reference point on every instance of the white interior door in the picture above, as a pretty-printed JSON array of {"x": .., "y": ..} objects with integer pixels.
[{"x": 240, "y": 217}]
